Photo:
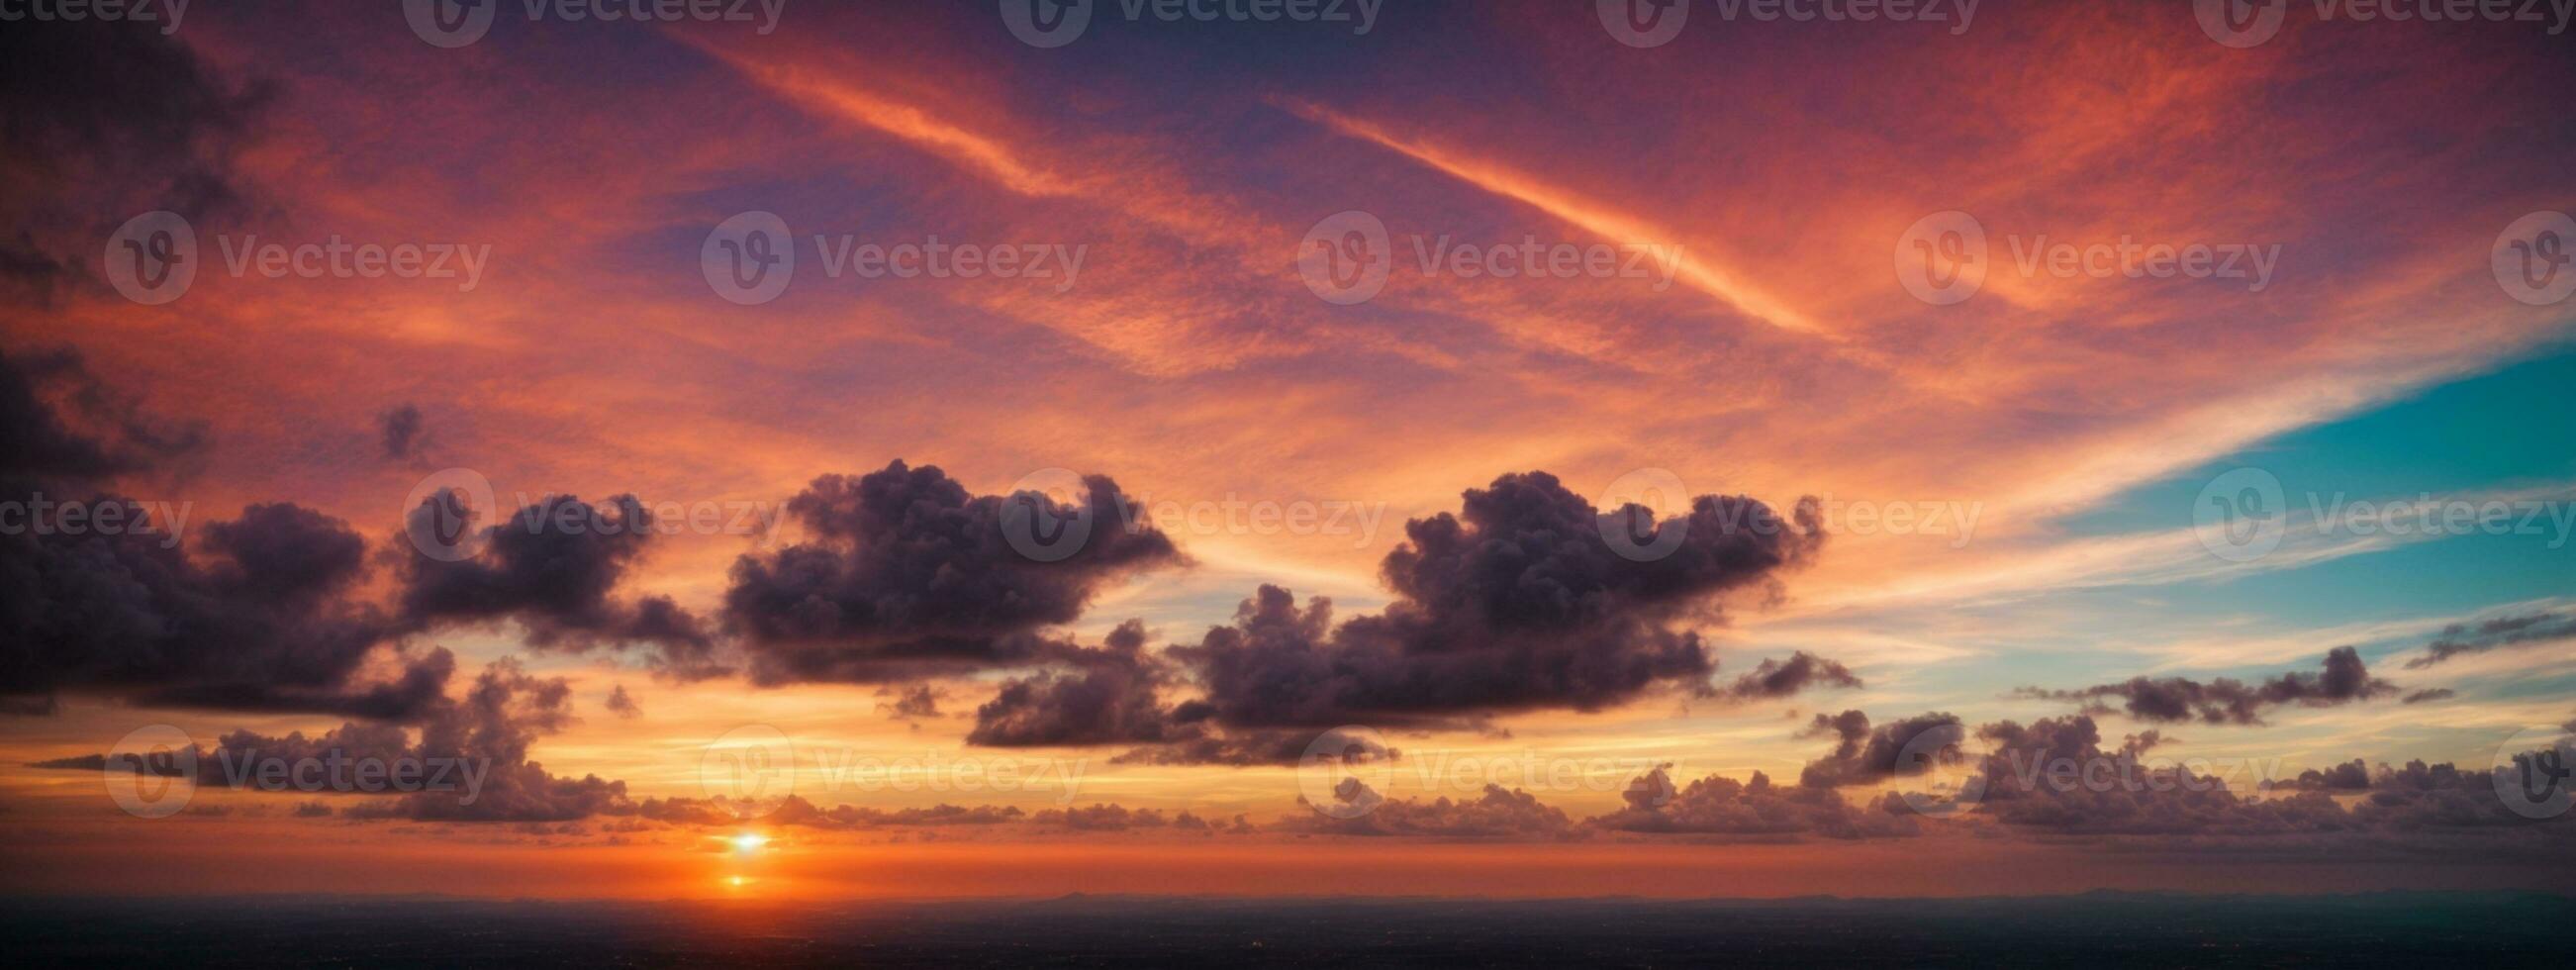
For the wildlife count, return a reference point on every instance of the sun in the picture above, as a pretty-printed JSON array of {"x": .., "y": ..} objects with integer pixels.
[{"x": 748, "y": 842}]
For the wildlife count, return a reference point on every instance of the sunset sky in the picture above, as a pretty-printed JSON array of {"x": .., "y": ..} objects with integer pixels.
[{"x": 2308, "y": 505}]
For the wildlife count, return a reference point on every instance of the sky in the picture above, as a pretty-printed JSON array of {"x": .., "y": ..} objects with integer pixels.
[{"x": 1483, "y": 449}]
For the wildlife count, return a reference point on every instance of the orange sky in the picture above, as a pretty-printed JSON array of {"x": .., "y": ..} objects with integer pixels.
[{"x": 1779, "y": 358}]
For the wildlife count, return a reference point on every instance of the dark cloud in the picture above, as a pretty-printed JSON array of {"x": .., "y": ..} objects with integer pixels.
[
  {"x": 1515, "y": 603},
  {"x": 256, "y": 627},
  {"x": 2510, "y": 631},
  {"x": 623, "y": 704},
  {"x": 2429, "y": 694},
  {"x": 913, "y": 702},
  {"x": 1718, "y": 805},
  {"x": 2227, "y": 700},
  {"x": 1243, "y": 748},
  {"x": 904, "y": 574},
  {"x": 259, "y": 622},
  {"x": 1773, "y": 679},
  {"x": 1862, "y": 756},
  {"x": 1496, "y": 814},
  {"x": 403, "y": 431},
  {"x": 1111, "y": 697},
  {"x": 1101, "y": 818},
  {"x": 2348, "y": 777},
  {"x": 61, "y": 427},
  {"x": 482, "y": 740},
  {"x": 2054, "y": 776},
  {"x": 114, "y": 119},
  {"x": 795, "y": 810},
  {"x": 554, "y": 567}
]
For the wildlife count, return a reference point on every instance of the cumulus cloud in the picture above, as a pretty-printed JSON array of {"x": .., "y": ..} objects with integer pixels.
[
  {"x": 2349, "y": 776},
  {"x": 1111, "y": 697},
  {"x": 554, "y": 567},
  {"x": 1516, "y": 602},
  {"x": 1718, "y": 805},
  {"x": 904, "y": 574},
  {"x": 1863, "y": 756},
  {"x": 473, "y": 754},
  {"x": 2227, "y": 700},
  {"x": 1498, "y": 813},
  {"x": 2054, "y": 776},
  {"x": 260, "y": 623}
]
